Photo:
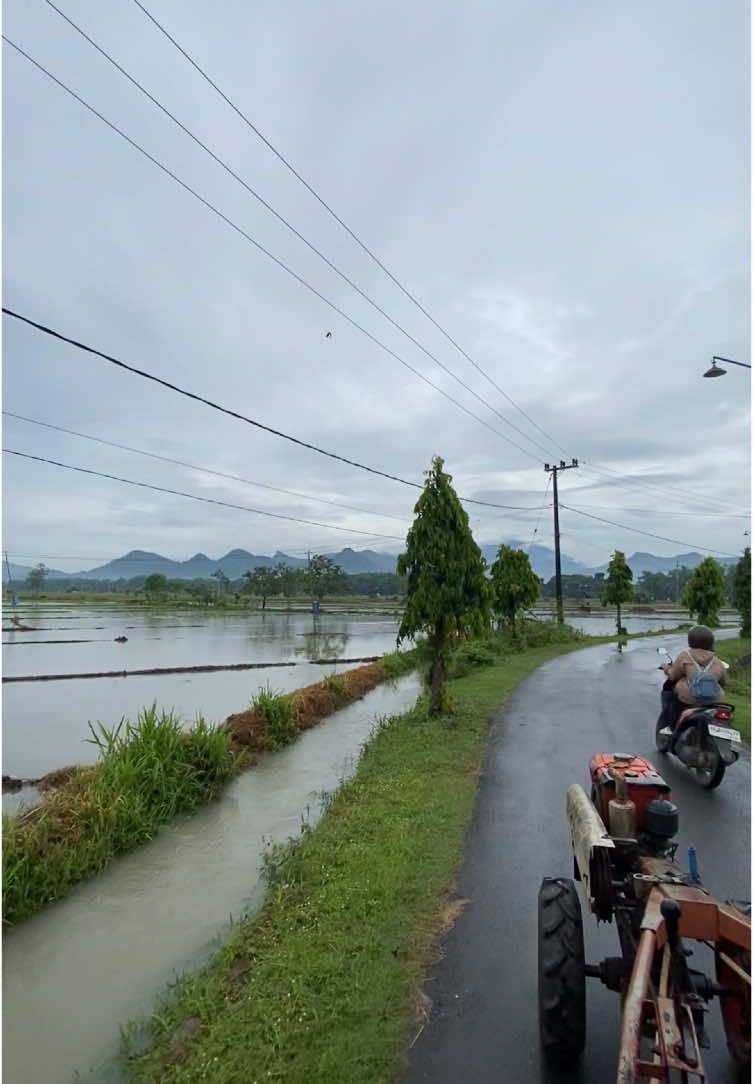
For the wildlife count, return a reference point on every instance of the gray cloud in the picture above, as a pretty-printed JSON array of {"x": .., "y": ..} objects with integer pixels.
[{"x": 567, "y": 190}]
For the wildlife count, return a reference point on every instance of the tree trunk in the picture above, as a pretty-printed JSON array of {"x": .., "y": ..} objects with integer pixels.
[
  {"x": 263, "y": 602},
  {"x": 619, "y": 619},
  {"x": 438, "y": 670}
]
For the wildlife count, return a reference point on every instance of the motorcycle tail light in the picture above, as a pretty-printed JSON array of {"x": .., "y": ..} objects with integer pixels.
[{"x": 722, "y": 713}]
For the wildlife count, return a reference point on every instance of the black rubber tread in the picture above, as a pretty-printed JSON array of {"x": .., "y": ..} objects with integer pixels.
[
  {"x": 713, "y": 782},
  {"x": 562, "y": 975},
  {"x": 663, "y": 742}
]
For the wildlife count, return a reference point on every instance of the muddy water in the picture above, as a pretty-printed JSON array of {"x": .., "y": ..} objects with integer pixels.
[
  {"x": 45, "y": 724},
  {"x": 75, "y": 972}
]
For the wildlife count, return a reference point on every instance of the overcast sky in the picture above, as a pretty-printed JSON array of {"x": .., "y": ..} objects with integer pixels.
[{"x": 564, "y": 187}]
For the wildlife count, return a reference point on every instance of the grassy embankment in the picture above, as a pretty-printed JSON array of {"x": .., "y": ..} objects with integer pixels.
[
  {"x": 149, "y": 772},
  {"x": 737, "y": 690},
  {"x": 324, "y": 984}
]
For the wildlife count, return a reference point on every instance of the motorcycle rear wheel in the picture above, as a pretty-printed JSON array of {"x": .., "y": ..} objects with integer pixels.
[{"x": 711, "y": 776}]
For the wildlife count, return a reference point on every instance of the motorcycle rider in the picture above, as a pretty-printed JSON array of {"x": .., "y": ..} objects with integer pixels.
[{"x": 676, "y": 692}]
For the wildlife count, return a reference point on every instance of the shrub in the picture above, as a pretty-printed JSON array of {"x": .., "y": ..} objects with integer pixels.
[{"x": 472, "y": 655}]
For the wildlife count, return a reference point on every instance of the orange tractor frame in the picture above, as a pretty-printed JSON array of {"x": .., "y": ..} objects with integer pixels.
[{"x": 624, "y": 847}]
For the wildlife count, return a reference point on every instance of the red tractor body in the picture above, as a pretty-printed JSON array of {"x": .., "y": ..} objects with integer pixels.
[{"x": 644, "y": 784}]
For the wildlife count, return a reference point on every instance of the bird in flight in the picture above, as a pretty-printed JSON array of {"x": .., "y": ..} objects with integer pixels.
[{"x": 328, "y": 335}]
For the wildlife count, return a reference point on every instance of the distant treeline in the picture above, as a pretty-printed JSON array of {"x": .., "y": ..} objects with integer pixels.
[
  {"x": 326, "y": 578},
  {"x": 294, "y": 584},
  {"x": 650, "y": 586}
]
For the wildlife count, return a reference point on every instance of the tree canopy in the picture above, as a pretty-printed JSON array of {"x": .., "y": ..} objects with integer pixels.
[
  {"x": 447, "y": 591},
  {"x": 515, "y": 586},
  {"x": 705, "y": 595},
  {"x": 156, "y": 584},
  {"x": 618, "y": 586},
  {"x": 35, "y": 579},
  {"x": 741, "y": 592},
  {"x": 323, "y": 576}
]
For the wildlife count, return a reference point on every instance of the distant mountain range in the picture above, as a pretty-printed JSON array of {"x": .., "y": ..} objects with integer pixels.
[{"x": 238, "y": 561}]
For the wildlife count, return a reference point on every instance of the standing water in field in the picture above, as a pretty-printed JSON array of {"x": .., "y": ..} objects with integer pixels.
[
  {"x": 75, "y": 972},
  {"x": 45, "y": 724}
]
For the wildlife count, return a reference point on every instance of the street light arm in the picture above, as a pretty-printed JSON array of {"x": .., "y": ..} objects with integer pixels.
[{"x": 729, "y": 361}]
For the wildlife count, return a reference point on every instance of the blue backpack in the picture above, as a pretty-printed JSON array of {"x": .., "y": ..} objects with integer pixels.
[{"x": 703, "y": 686}]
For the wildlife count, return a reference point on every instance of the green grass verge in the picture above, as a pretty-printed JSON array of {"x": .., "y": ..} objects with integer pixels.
[
  {"x": 324, "y": 984},
  {"x": 737, "y": 690},
  {"x": 147, "y": 773}
]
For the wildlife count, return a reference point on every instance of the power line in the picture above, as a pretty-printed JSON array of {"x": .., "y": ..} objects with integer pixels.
[
  {"x": 204, "y": 500},
  {"x": 671, "y": 491},
  {"x": 288, "y": 165},
  {"x": 313, "y": 248},
  {"x": 661, "y": 514},
  {"x": 280, "y": 263},
  {"x": 648, "y": 534},
  {"x": 203, "y": 470},
  {"x": 541, "y": 512},
  {"x": 234, "y": 413},
  {"x": 339, "y": 220}
]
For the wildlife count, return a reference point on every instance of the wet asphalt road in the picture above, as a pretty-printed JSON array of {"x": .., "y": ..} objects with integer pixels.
[{"x": 483, "y": 1027}]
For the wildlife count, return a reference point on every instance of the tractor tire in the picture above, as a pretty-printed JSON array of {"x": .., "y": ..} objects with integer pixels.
[
  {"x": 562, "y": 973},
  {"x": 663, "y": 741}
]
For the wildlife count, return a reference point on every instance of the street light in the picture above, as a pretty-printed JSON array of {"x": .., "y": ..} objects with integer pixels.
[{"x": 716, "y": 370}]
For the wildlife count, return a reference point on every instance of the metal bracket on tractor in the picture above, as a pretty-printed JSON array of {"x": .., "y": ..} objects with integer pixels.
[{"x": 624, "y": 846}]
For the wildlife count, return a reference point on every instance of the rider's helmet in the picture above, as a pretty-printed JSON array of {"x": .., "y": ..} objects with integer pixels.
[{"x": 701, "y": 637}]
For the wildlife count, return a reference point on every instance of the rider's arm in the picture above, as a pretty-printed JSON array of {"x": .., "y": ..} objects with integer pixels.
[{"x": 676, "y": 669}]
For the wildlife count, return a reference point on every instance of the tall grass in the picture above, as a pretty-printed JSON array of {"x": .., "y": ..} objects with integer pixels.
[
  {"x": 147, "y": 773},
  {"x": 276, "y": 709},
  {"x": 400, "y": 662}
]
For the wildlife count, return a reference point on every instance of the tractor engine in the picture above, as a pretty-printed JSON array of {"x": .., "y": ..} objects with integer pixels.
[{"x": 634, "y": 801}]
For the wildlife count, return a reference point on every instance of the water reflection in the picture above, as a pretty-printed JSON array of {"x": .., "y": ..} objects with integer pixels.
[
  {"x": 322, "y": 643},
  {"x": 46, "y": 723}
]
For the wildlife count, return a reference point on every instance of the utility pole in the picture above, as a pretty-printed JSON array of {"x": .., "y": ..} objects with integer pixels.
[{"x": 554, "y": 470}]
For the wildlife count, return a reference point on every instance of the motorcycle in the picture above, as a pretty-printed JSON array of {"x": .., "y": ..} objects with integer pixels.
[{"x": 702, "y": 738}]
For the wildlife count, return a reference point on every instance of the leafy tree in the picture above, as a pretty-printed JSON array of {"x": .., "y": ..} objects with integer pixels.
[
  {"x": 515, "y": 586},
  {"x": 574, "y": 585},
  {"x": 618, "y": 586},
  {"x": 200, "y": 590},
  {"x": 35, "y": 579},
  {"x": 155, "y": 585},
  {"x": 447, "y": 591},
  {"x": 704, "y": 596},
  {"x": 664, "y": 586},
  {"x": 323, "y": 576},
  {"x": 222, "y": 580},
  {"x": 374, "y": 583},
  {"x": 262, "y": 582},
  {"x": 741, "y": 592},
  {"x": 288, "y": 580}
]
